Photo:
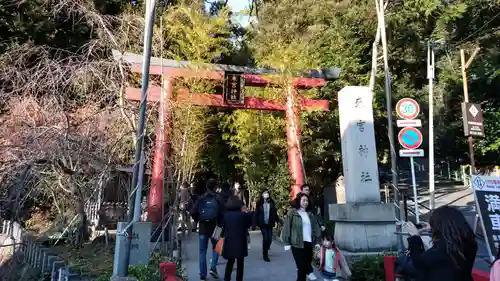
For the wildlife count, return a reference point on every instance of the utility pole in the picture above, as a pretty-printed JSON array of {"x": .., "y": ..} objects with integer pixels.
[
  {"x": 121, "y": 268},
  {"x": 430, "y": 76},
  {"x": 388, "y": 97},
  {"x": 379, "y": 4},
  {"x": 465, "y": 66}
]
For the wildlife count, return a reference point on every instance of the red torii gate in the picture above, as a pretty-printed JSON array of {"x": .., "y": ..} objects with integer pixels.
[{"x": 171, "y": 69}]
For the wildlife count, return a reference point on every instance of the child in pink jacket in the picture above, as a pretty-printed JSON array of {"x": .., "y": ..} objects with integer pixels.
[{"x": 332, "y": 263}]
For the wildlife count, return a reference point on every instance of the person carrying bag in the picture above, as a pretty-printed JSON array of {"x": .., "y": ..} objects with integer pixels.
[
  {"x": 208, "y": 211},
  {"x": 233, "y": 246}
]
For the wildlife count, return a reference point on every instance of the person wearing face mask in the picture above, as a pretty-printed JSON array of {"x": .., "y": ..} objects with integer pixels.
[
  {"x": 265, "y": 217},
  {"x": 300, "y": 232}
]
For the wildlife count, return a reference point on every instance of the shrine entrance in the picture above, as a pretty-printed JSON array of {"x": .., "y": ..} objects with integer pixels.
[{"x": 234, "y": 79}]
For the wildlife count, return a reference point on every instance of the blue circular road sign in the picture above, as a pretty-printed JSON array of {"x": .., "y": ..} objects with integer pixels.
[{"x": 410, "y": 138}]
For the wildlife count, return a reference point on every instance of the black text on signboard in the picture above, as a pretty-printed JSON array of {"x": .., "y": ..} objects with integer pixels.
[
  {"x": 473, "y": 119},
  {"x": 234, "y": 87}
]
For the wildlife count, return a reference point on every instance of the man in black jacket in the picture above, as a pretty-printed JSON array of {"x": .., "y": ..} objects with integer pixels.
[{"x": 208, "y": 211}]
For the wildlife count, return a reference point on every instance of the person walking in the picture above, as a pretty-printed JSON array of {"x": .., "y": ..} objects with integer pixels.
[
  {"x": 265, "y": 217},
  {"x": 332, "y": 263},
  {"x": 243, "y": 194},
  {"x": 235, "y": 226},
  {"x": 305, "y": 188},
  {"x": 453, "y": 251},
  {"x": 195, "y": 194},
  {"x": 225, "y": 191},
  {"x": 184, "y": 203},
  {"x": 300, "y": 232},
  {"x": 208, "y": 211}
]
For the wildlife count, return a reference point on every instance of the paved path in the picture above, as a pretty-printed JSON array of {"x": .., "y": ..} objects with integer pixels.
[
  {"x": 281, "y": 268},
  {"x": 282, "y": 265}
]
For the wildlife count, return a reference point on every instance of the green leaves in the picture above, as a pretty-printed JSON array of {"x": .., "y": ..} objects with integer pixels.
[
  {"x": 368, "y": 268},
  {"x": 196, "y": 36},
  {"x": 258, "y": 137}
]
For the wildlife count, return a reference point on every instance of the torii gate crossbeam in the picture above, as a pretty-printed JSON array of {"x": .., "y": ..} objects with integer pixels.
[{"x": 253, "y": 77}]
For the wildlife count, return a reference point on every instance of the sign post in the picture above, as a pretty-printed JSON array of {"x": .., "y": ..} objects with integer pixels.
[
  {"x": 473, "y": 119},
  {"x": 410, "y": 138},
  {"x": 234, "y": 87},
  {"x": 487, "y": 197}
]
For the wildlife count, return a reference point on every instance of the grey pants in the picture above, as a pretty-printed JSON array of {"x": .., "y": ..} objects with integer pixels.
[{"x": 185, "y": 220}]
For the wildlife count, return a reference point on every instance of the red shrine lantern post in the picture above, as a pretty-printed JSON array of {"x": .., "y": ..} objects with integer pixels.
[{"x": 235, "y": 78}]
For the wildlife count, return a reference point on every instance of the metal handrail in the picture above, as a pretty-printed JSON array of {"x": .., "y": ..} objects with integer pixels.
[
  {"x": 419, "y": 204},
  {"x": 403, "y": 195},
  {"x": 14, "y": 244}
]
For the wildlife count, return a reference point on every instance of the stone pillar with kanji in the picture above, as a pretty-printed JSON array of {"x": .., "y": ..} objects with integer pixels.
[{"x": 362, "y": 222}]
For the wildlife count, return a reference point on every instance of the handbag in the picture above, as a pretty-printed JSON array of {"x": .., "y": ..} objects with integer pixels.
[
  {"x": 219, "y": 246},
  {"x": 217, "y": 233},
  {"x": 404, "y": 265},
  {"x": 182, "y": 206},
  {"x": 290, "y": 231}
]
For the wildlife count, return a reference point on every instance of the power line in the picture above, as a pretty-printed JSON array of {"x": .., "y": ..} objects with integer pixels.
[{"x": 477, "y": 31}]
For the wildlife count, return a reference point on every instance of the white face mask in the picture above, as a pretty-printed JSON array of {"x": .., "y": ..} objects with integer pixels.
[
  {"x": 265, "y": 195},
  {"x": 237, "y": 186}
]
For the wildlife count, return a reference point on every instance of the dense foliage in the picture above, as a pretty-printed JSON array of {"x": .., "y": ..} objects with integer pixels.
[{"x": 368, "y": 268}]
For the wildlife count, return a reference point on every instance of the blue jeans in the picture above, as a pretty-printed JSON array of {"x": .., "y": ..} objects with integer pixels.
[
  {"x": 203, "y": 255},
  {"x": 328, "y": 275}
]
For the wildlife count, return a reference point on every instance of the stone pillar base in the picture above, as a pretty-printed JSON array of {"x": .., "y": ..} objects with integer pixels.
[{"x": 364, "y": 227}]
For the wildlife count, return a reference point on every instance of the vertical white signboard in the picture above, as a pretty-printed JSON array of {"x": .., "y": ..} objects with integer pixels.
[{"x": 359, "y": 153}]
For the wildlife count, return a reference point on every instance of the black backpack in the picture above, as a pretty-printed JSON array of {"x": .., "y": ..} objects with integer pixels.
[{"x": 208, "y": 208}]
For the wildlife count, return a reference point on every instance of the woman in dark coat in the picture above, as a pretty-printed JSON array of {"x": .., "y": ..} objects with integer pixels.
[
  {"x": 235, "y": 224},
  {"x": 265, "y": 217},
  {"x": 453, "y": 251}
]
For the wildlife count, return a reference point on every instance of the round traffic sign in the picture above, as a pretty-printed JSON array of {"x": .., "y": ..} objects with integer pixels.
[
  {"x": 410, "y": 138},
  {"x": 407, "y": 108}
]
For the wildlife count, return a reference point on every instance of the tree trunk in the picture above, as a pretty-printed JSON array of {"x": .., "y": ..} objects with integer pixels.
[{"x": 82, "y": 234}]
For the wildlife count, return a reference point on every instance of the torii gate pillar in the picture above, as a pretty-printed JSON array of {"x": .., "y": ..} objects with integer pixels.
[
  {"x": 159, "y": 170},
  {"x": 295, "y": 163}
]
